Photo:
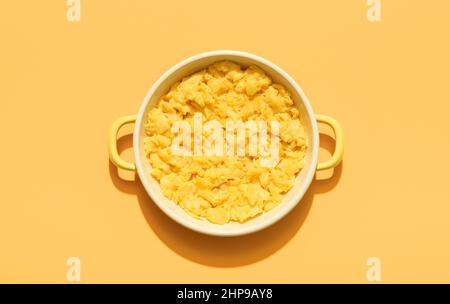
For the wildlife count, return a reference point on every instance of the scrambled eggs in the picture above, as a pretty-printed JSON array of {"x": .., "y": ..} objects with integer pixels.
[{"x": 225, "y": 188}]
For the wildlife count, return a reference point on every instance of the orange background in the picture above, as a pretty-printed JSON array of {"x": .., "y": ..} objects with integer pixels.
[{"x": 63, "y": 83}]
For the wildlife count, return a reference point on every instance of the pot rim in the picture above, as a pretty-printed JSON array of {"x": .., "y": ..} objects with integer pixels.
[{"x": 289, "y": 205}]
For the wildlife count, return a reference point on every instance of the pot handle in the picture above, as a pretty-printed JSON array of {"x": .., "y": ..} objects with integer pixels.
[
  {"x": 339, "y": 148},
  {"x": 112, "y": 143}
]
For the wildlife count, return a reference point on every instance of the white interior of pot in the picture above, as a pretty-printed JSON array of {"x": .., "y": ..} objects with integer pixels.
[{"x": 301, "y": 183}]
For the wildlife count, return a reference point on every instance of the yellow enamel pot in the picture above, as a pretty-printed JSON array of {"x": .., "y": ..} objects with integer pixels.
[{"x": 303, "y": 179}]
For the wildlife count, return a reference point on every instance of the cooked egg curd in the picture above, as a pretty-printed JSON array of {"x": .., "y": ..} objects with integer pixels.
[{"x": 225, "y": 188}]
